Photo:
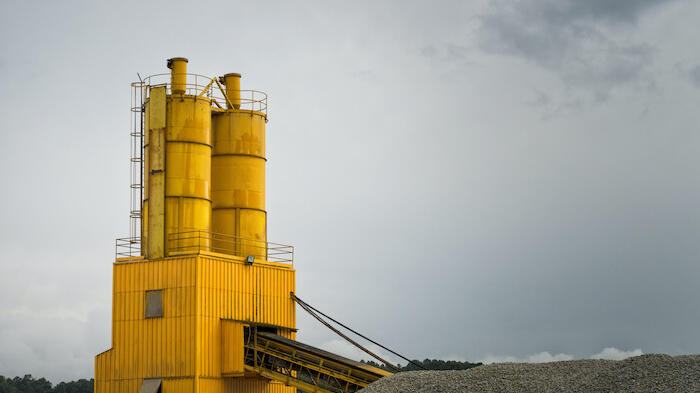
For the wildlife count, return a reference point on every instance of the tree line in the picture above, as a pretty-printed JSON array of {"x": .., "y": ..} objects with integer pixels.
[
  {"x": 427, "y": 364},
  {"x": 29, "y": 384}
]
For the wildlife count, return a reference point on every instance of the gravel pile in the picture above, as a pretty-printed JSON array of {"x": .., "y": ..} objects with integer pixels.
[{"x": 640, "y": 374}]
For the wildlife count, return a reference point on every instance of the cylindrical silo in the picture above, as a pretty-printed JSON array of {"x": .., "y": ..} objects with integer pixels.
[
  {"x": 239, "y": 219},
  {"x": 188, "y": 174},
  {"x": 177, "y": 205}
]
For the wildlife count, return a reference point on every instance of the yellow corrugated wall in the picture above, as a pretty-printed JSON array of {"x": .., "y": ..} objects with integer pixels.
[
  {"x": 230, "y": 289},
  {"x": 198, "y": 292},
  {"x": 242, "y": 385},
  {"x": 154, "y": 347}
]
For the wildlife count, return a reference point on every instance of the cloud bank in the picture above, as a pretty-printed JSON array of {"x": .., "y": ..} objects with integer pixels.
[
  {"x": 343, "y": 348},
  {"x": 612, "y": 353},
  {"x": 609, "y": 353}
]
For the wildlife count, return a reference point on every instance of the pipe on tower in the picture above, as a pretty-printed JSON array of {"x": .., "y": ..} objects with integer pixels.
[
  {"x": 178, "y": 75},
  {"x": 232, "y": 82}
]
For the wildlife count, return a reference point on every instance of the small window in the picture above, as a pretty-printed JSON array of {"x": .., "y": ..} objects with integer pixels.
[{"x": 154, "y": 304}]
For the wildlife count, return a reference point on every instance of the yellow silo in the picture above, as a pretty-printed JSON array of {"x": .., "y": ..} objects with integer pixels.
[
  {"x": 180, "y": 307},
  {"x": 239, "y": 219},
  {"x": 177, "y": 204}
]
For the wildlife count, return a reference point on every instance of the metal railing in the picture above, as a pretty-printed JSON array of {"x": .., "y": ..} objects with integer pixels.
[
  {"x": 194, "y": 84},
  {"x": 195, "y": 241},
  {"x": 249, "y": 100},
  {"x": 205, "y": 86}
]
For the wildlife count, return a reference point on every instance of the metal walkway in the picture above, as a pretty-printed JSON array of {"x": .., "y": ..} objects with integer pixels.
[{"x": 305, "y": 367}]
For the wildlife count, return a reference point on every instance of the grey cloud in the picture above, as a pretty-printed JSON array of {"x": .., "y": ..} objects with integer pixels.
[
  {"x": 429, "y": 51},
  {"x": 695, "y": 76},
  {"x": 609, "y": 353},
  {"x": 578, "y": 40},
  {"x": 552, "y": 106},
  {"x": 448, "y": 52},
  {"x": 620, "y": 11},
  {"x": 541, "y": 99},
  {"x": 456, "y": 52}
]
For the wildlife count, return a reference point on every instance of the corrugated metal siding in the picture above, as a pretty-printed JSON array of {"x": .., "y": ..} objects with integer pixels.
[
  {"x": 150, "y": 274},
  {"x": 133, "y": 385},
  {"x": 177, "y": 302},
  {"x": 155, "y": 347},
  {"x": 176, "y": 385},
  {"x": 121, "y": 386},
  {"x": 230, "y": 289},
  {"x": 198, "y": 292},
  {"x": 241, "y": 385},
  {"x": 158, "y": 347},
  {"x": 232, "y": 352},
  {"x": 103, "y": 368},
  {"x": 210, "y": 347}
]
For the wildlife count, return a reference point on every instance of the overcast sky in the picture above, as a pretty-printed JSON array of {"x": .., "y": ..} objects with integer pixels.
[{"x": 480, "y": 181}]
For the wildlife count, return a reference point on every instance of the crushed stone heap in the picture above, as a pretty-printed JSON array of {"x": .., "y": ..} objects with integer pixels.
[{"x": 640, "y": 374}]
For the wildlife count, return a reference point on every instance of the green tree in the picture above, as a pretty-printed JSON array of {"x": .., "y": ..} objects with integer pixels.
[
  {"x": 428, "y": 364},
  {"x": 79, "y": 386},
  {"x": 28, "y": 384}
]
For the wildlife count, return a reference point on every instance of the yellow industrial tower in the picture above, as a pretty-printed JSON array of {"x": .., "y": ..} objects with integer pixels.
[{"x": 201, "y": 301}]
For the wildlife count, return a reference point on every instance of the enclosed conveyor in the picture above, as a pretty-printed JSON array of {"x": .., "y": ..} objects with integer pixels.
[{"x": 303, "y": 366}]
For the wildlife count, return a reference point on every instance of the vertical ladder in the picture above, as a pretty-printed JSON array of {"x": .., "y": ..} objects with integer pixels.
[{"x": 137, "y": 162}]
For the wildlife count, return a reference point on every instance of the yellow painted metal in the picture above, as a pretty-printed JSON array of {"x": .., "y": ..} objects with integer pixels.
[
  {"x": 238, "y": 177},
  {"x": 178, "y": 75},
  {"x": 255, "y": 384},
  {"x": 203, "y": 296},
  {"x": 223, "y": 90},
  {"x": 188, "y": 167},
  {"x": 178, "y": 170},
  {"x": 232, "y": 82},
  {"x": 155, "y": 172},
  {"x": 204, "y": 293},
  {"x": 231, "y": 348},
  {"x": 157, "y": 107}
]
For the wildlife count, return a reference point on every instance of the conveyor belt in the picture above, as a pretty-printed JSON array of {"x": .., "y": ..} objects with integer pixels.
[{"x": 305, "y": 367}]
